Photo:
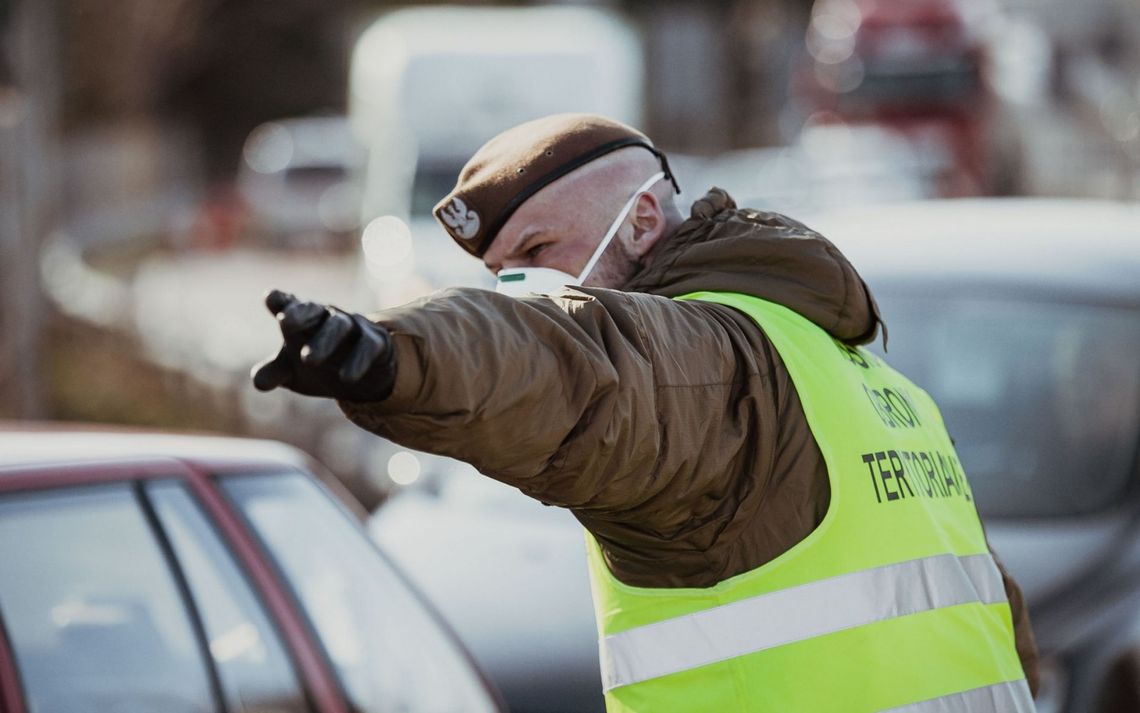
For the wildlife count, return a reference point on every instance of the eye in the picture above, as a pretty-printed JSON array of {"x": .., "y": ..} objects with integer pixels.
[{"x": 535, "y": 250}]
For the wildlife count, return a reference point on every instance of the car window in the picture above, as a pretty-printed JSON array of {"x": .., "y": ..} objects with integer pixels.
[
  {"x": 1042, "y": 399},
  {"x": 937, "y": 82},
  {"x": 256, "y": 674},
  {"x": 389, "y": 651},
  {"x": 92, "y": 609}
]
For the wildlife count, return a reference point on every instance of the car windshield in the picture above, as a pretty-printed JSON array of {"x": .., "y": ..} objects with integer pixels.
[
  {"x": 939, "y": 83},
  {"x": 390, "y": 652},
  {"x": 1042, "y": 399}
]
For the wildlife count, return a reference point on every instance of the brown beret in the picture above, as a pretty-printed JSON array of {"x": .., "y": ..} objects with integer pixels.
[{"x": 520, "y": 162}]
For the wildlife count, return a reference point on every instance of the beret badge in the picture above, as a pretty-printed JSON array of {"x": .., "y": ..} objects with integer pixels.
[{"x": 460, "y": 221}]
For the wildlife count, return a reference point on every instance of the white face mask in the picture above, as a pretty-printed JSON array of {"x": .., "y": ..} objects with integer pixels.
[{"x": 519, "y": 281}]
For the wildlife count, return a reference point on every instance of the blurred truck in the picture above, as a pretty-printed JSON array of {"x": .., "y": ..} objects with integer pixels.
[{"x": 429, "y": 85}]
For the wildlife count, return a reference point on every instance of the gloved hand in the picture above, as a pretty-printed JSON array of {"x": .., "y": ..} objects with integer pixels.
[{"x": 327, "y": 352}]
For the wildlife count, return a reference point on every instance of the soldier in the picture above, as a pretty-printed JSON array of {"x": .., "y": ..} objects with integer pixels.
[{"x": 693, "y": 390}]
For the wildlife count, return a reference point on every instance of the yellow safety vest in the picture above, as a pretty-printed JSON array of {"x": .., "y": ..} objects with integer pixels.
[{"x": 893, "y": 603}]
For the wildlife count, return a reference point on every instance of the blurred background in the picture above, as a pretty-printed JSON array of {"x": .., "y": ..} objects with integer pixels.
[{"x": 163, "y": 164}]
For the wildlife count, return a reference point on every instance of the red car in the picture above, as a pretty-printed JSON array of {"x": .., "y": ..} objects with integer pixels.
[
  {"x": 915, "y": 68},
  {"x": 185, "y": 574}
]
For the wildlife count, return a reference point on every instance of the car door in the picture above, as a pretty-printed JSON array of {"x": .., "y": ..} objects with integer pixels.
[
  {"x": 389, "y": 650},
  {"x": 117, "y": 594}
]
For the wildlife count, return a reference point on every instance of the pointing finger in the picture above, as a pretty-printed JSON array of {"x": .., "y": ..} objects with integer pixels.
[{"x": 277, "y": 301}]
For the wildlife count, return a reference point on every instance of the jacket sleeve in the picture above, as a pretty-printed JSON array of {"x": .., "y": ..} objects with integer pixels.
[{"x": 573, "y": 399}]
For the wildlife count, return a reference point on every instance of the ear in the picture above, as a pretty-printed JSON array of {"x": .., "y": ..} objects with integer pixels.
[{"x": 648, "y": 225}]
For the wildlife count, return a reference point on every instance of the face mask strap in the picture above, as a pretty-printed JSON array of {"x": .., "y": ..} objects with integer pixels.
[{"x": 614, "y": 227}]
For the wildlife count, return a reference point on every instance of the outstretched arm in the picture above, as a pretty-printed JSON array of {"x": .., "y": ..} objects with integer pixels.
[{"x": 583, "y": 400}]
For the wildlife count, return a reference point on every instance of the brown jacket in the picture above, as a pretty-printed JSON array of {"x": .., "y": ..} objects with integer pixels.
[{"x": 670, "y": 429}]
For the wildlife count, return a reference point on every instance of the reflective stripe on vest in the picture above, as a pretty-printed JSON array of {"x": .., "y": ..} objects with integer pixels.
[
  {"x": 999, "y": 698},
  {"x": 892, "y": 603},
  {"x": 797, "y": 613}
]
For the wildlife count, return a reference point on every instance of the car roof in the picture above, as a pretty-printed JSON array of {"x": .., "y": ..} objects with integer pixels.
[
  {"x": 45, "y": 443},
  {"x": 1062, "y": 245}
]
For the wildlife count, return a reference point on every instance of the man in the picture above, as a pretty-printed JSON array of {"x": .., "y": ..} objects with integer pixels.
[{"x": 777, "y": 521}]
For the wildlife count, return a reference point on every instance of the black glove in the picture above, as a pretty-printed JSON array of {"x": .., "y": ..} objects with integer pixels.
[{"x": 327, "y": 352}]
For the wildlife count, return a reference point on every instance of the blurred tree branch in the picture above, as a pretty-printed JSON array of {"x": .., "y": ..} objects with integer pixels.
[
  {"x": 118, "y": 51},
  {"x": 29, "y": 98},
  {"x": 254, "y": 61}
]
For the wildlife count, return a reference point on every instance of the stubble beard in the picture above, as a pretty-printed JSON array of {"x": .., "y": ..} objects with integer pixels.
[{"x": 614, "y": 267}]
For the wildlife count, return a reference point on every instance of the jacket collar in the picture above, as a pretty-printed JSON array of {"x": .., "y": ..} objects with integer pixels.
[{"x": 725, "y": 248}]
